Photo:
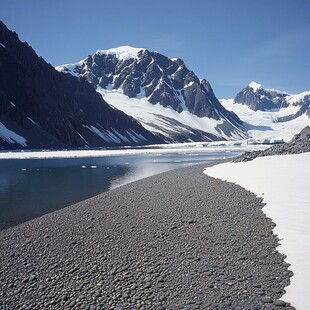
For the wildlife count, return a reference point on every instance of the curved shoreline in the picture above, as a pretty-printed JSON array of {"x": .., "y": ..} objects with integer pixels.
[{"x": 176, "y": 240}]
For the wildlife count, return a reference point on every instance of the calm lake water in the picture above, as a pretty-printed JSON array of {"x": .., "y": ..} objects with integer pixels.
[{"x": 32, "y": 187}]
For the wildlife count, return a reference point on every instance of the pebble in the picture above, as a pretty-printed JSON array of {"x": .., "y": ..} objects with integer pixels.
[
  {"x": 279, "y": 302},
  {"x": 266, "y": 299}
]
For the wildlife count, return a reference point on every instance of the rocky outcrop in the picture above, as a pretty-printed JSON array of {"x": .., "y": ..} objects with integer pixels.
[
  {"x": 299, "y": 144},
  {"x": 258, "y": 98}
]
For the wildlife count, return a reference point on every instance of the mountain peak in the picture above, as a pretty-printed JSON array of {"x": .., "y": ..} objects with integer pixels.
[
  {"x": 258, "y": 98},
  {"x": 151, "y": 79},
  {"x": 122, "y": 52},
  {"x": 255, "y": 86}
]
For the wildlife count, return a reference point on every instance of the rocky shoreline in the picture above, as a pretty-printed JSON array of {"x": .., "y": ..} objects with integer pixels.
[
  {"x": 300, "y": 143},
  {"x": 178, "y": 240}
]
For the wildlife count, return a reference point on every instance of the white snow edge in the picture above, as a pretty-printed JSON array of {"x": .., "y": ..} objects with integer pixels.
[
  {"x": 283, "y": 183},
  {"x": 154, "y": 149}
]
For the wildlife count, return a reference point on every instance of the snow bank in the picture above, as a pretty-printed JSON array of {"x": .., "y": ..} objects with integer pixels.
[{"x": 283, "y": 182}]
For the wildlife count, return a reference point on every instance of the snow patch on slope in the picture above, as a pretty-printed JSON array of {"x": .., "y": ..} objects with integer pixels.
[
  {"x": 295, "y": 99},
  {"x": 70, "y": 68},
  {"x": 157, "y": 118},
  {"x": 11, "y": 137}
]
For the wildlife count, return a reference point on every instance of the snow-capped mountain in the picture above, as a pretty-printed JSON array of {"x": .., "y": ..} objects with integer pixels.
[
  {"x": 42, "y": 108},
  {"x": 258, "y": 98},
  {"x": 160, "y": 92},
  {"x": 270, "y": 115}
]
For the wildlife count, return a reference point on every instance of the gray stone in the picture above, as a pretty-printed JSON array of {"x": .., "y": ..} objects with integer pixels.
[
  {"x": 266, "y": 299},
  {"x": 279, "y": 302}
]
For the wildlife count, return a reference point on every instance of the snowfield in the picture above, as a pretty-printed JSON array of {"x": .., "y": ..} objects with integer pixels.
[
  {"x": 159, "y": 119},
  {"x": 263, "y": 125},
  {"x": 283, "y": 182}
]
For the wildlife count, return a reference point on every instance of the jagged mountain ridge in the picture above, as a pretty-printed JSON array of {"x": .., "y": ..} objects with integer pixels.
[
  {"x": 258, "y": 98},
  {"x": 42, "y": 108},
  {"x": 167, "y": 82}
]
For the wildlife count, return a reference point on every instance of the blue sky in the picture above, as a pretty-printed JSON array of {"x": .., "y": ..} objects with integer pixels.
[{"x": 228, "y": 42}]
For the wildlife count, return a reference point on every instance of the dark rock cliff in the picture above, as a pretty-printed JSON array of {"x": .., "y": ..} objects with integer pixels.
[{"x": 51, "y": 109}]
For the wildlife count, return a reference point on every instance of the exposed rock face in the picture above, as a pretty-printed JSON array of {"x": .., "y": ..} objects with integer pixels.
[
  {"x": 304, "y": 104},
  {"x": 50, "y": 109},
  {"x": 258, "y": 98},
  {"x": 162, "y": 80}
]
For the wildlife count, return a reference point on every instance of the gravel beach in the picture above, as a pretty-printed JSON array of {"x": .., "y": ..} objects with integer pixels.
[{"x": 177, "y": 240}]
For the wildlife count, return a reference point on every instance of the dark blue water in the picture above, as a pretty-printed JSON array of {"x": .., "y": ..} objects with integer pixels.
[{"x": 32, "y": 187}]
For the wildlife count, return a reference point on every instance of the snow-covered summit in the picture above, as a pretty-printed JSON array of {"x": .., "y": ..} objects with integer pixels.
[
  {"x": 122, "y": 52},
  {"x": 258, "y": 98},
  {"x": 255, "y": 86}
]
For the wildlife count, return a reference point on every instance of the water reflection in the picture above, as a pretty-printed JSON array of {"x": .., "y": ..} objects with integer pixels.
[{"x": 48, "y": 185}]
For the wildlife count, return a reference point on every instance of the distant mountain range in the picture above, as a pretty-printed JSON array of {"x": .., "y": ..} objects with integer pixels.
[
  {"x": 258, "y": 98},
  {"x": 270, "y": 115},
  {"x": 160, "y": 92},
  {"x": 129, "y": 96}
]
